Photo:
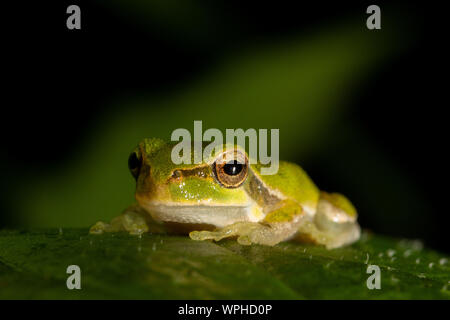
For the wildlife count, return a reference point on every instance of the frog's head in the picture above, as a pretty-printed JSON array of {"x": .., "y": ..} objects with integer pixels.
[{"x": 211, "y": 192}]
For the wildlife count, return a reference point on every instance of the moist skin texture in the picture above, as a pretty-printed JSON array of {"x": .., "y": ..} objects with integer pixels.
[{"x": 212, "y": 201}]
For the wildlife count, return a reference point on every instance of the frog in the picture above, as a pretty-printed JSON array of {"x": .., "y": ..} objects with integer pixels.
[{"x": 227, "y": 196}]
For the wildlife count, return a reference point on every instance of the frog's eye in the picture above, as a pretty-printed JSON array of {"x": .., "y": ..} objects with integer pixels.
[
  {"x": 134, "y": 164},
  {"x": 231, "y": 173}
]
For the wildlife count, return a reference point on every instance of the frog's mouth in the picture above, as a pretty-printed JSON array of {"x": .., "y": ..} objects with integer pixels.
[{"x": 218, "y": 216}]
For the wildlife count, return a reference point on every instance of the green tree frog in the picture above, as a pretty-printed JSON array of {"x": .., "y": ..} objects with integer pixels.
[{"x": 219, "y": 199}]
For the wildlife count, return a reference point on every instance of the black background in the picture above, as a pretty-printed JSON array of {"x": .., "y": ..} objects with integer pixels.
[{"x": 55, "y": 79}]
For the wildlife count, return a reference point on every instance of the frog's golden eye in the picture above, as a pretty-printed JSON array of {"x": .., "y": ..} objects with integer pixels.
[
  {"x": 134, "y": 164},
  {"x": 231, "y": 172}
]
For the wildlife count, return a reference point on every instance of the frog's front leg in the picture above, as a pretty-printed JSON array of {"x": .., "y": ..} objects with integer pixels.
[
  {"x": 134, "y": 219},
  {"x": 279, "y": 225}
]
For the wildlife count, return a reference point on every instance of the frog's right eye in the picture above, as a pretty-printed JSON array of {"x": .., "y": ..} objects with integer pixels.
[{"x": 134, "y": 164}]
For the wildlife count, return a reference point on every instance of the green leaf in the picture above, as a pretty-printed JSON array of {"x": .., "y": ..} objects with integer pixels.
[{"x": 118, "y": 266}]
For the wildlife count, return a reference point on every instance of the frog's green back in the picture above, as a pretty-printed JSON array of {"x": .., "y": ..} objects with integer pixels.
[{"x": 293, "y": 182}]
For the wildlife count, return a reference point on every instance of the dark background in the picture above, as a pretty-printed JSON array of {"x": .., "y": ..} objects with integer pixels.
[{"x": 390, "y": 163}]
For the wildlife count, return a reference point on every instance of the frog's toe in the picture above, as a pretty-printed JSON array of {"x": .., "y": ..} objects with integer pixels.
[
  {"x": 206, "y": 235},
  {"x": 241, "y": 229},
  {"x": 199, "y": 235},
  {"x": 99, "y": 228},
  {"x": 244, "y": 240},
  {"x": 137, "y": 231}
]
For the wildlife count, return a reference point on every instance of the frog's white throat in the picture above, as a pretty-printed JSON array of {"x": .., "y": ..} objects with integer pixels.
[{"x": 217, "y": 215}]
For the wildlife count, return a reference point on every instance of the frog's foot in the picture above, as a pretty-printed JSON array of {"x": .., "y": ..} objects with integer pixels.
[
  {"x": 100, "y": 227},
  {"x": 279, "y": 225},
  {"x": 241, "y": 229},
  {"x": 334, "y": 224},
  {"x": 134, "y": 220}
]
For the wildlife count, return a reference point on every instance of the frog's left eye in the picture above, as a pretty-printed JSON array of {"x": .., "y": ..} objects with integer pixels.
[
  {"x": 231, "y": 172},
  {"x": 134, "y": 164}
]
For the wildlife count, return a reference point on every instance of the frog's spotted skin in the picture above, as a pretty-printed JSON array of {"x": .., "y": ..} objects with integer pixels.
[{"x": 216, "y": 200}]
